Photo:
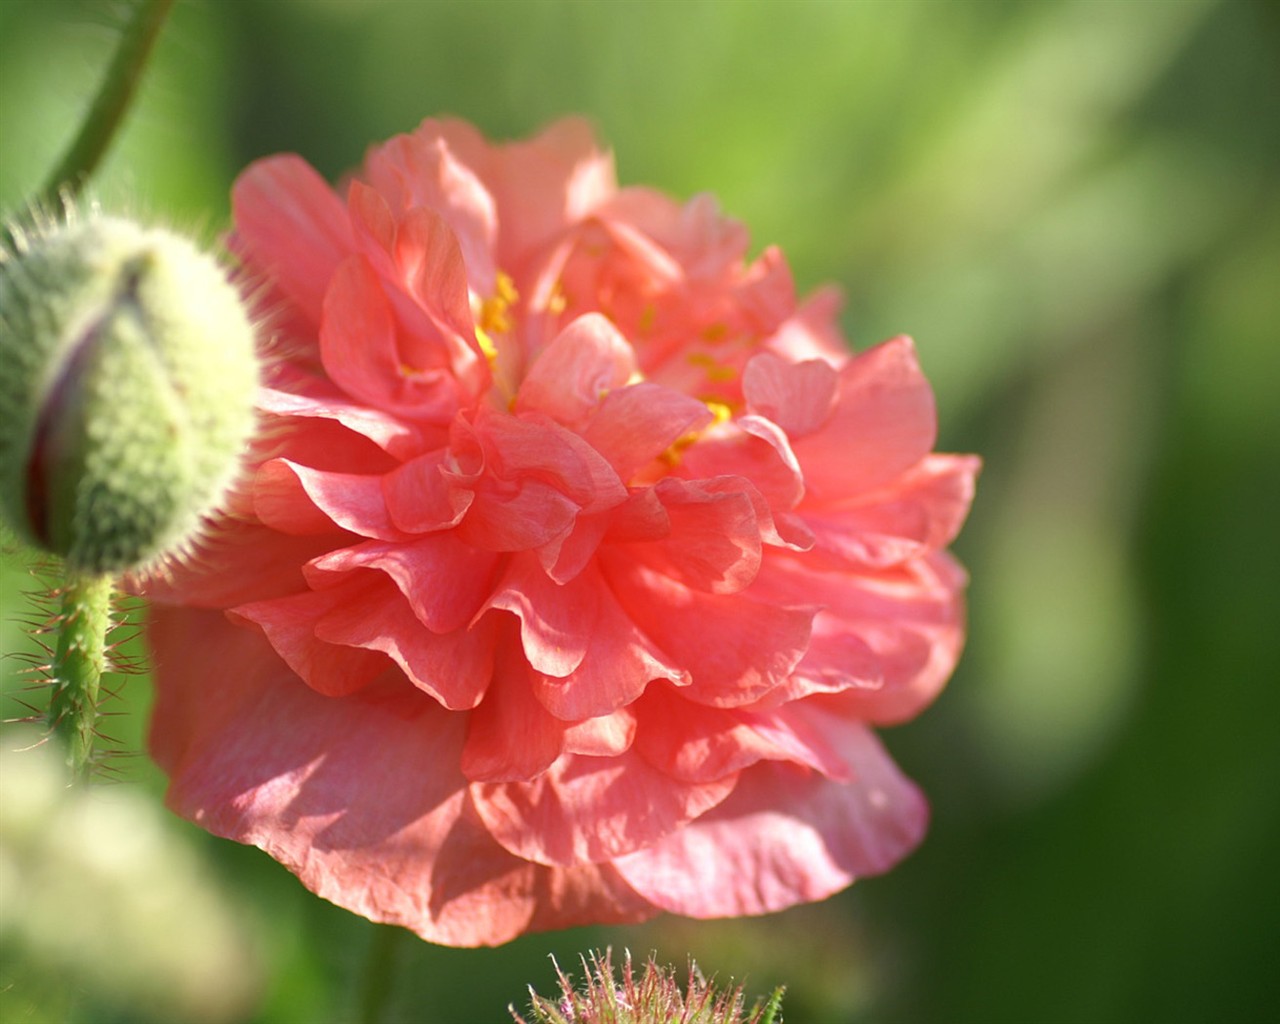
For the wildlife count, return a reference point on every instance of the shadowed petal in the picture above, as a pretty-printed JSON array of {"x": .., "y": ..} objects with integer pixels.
[{"x": 255, "y": 756}]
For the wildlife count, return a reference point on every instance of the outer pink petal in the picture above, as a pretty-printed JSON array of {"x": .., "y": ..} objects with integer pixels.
[
  {"x": 605, "y": 736},
  {"x": 883, "y": 424},
  {"x": 785, "y": 836},
  {"x": 591, "y": 809},
  {"x": 797, "y": 396},
  {"x": 922, "y": 512},
  {"x": 255, "y": 756},
  {"x": 292, "y": 227}
]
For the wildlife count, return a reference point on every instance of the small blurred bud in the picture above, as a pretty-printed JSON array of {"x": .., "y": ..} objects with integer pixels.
[
  {"x": 126, "y": 395},
  {"x": 100, "y": 897}
]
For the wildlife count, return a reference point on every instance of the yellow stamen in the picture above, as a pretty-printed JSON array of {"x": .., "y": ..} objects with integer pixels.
[
  {"x": 720, "y": 413},
  {"x": 559, "y": 301},
  {"x": 493, "y": 311},
  {"x": 714, "y": 371},
  {"x": 487, "y": 346}
]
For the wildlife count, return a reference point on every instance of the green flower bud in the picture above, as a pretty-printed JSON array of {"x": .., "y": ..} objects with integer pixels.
[{"x": 127, "y": 380}]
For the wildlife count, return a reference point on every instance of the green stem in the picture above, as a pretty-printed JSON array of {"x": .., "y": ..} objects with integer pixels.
[
  {"x": 379, "y": 973},
  {"x": 107, "y": 112},
  {"x": 79, "y": 660}
]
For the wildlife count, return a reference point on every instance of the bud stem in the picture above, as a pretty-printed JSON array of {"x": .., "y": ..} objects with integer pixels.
[
  {"x": 379, "y": 972},
  {"x": 78, "y": 663},
  {"x": 107, "y": 112}
]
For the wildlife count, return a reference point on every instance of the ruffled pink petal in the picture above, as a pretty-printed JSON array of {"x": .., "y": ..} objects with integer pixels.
[
  {"x": 588, "y": 359},
  {"x": 922, "y": 512},
  {"x": 321, "y": 403},
  {"x": 556, "y": 621},
  {"x": 435, "y": 276},
  {"x": 534, "y": 447},
  {"x": 798, "y": 397},
  {"x": 835, "y": 661},
  {"x": 280, "y": 501},
  {"x": 606, "y": 736},
  {"x": 813, "y": 331},
  {"x": 292, "y": 227},
  {"x": 421, "y": 170},
  {"x": 619, "y": 662},
  {"x": 420, "y": 499},
  {"x": 634, "y": 425},
  {"x": 547, "y": 183},
  {"x": 360, "y": 345},
  {"x": 911, "y": 619},
  {"x": 444, "y": 580},
  {"x": 695, "y": 743},
  {"x": 289, "y": 623},
  {"x": 883, "y": 424},
  {"x": 714, "y": 541},
  {"x": 591, "y": 809},
  {"x": 455, "y": 668},
  {"x": 510, "y": 736},
  {"x": 752, "y": 448},
  {"x": 735, "y": 649},
  {"x": 705, "y": 242},
  {"x": 519, "y": 516},
  {"x": 786, "y": 836},
  {"x": 234, "y": 562},
  {"x": 255, "y": 756},
  {"x": 290, "y": 497},
  {"x": 569, "y": 553}
]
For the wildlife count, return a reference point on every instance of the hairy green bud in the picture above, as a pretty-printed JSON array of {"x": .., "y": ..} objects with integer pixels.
[{"x": 127, "y": 379}]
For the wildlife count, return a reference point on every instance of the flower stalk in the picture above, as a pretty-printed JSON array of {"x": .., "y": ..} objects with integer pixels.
[
  {"x": 109, "y": 106},
  {"x": 79, "y": 659}
]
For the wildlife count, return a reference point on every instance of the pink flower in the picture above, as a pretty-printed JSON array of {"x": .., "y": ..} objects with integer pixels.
[{"x": 575, "y": 567}]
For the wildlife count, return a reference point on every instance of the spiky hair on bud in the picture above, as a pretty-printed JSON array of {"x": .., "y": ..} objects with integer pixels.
[{"x": 127, "y": 394}]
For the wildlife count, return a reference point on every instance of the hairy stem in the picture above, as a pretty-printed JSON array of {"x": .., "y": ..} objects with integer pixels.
[
  {"x": 79, "y": 660},
  {"x": 108, "y": 110}
]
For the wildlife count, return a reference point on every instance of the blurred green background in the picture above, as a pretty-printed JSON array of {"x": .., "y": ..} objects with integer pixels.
[{"x": 1074, "y": 207}]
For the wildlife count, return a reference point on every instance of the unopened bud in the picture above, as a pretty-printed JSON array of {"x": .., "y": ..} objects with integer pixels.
[{"x": 127, "y": 379}]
